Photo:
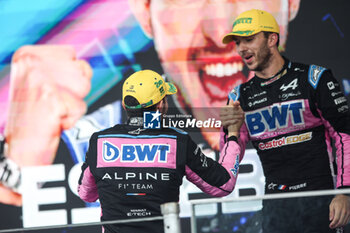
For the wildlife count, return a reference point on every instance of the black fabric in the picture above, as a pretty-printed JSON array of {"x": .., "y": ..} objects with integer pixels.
[
  {"x": 133, "y": 191},
  {"x": 297, "y": 215}
]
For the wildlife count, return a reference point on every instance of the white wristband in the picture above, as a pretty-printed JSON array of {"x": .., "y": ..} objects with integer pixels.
[{"x": 10, "y": 172}]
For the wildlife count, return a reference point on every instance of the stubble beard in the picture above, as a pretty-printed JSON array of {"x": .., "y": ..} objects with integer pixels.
[{"x": 263, "y": 56}]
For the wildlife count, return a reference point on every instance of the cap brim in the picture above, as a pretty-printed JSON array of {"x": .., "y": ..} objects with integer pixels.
[
  {"x": 171, "y": 89},
  {"x": 231, "y": 36},
  {"x": 228, "y": 38}
]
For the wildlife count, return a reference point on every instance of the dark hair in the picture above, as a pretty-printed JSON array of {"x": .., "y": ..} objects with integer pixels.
[
  {"x": 266, "y": 34},
  {"x": 131, "y": 101}
]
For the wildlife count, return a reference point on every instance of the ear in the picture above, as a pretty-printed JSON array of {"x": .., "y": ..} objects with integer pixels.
[
  {"x": 162, "y": 106},
  {"x": 142, "y": 12},
  {"x": 272, "y": 39},
  {"x": 293, "y": 8}
]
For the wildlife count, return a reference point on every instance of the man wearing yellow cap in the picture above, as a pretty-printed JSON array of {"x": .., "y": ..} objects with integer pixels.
[
  {"x": 291, "y": 111},
  {"x": 133, "y": 169}
]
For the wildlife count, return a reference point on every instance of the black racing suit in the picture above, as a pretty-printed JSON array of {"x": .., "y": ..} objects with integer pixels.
[
  {"x": 132, "y": 171},
  {"x": 290, "y": 119}
]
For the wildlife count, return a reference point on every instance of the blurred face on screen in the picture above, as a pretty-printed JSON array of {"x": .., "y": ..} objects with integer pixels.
[{"x": 188, "y": 38}]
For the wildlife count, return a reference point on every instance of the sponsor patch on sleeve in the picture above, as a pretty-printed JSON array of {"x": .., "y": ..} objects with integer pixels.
[
  {"x": 315, "y": 73},
  {"x": 234, "y": 94},
  {"x": 235, "y": 168}
]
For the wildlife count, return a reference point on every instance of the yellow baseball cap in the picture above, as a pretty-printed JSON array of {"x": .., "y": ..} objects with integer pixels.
[
  {"x": 147, "y": 87},
  {"x": 250, "y": 23}
]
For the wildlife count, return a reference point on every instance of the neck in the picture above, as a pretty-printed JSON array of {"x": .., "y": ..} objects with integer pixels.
[{"x": 275, "y": 65}]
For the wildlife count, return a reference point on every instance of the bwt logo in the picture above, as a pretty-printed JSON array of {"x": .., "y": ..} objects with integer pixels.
[
  {"x": 135, "y": 152},
  {"x": 151, "y": 120},
  {"x": 275, "y": 116}
]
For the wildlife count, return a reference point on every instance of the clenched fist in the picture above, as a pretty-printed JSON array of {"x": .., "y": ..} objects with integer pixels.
[
  {"x": 232, "y": 117},
  {"x": 47, "y": 87}
]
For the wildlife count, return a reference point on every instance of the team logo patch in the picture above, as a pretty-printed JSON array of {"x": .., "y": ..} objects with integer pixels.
[{"x": 293, "y": 84}]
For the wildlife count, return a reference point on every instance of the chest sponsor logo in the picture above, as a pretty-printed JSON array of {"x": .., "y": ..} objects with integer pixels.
[
  {"x": 336, "y": 93},
  {"x": 124, "y": 152},
  {"x": 343, "y": 109},
  {"x": 286, "y": 96},
  {"x": 330, "y": 85},
  {"x": 277, "y": 116},
  {"x": 340, "y": 100},
  {"x": 298, "y": 69},
  {"x": 294, "y": 139},
  {"x": 257, "y": 95},
  {"x": 250, "y": 104}
]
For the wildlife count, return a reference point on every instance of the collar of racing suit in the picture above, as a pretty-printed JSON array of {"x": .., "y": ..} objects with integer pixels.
[{"x": 278, "y": 75}]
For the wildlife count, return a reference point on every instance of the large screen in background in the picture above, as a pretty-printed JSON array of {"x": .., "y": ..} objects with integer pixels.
[{"x": 180, "y": 39}]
